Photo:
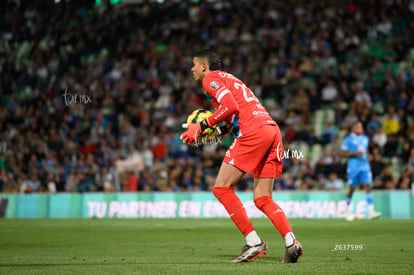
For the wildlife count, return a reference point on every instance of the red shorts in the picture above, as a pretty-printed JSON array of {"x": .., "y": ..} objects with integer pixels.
[{"x": 259, "y": 152}]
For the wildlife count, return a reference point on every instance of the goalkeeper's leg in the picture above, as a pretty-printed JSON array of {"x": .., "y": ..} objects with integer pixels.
[
  {"x": 263, "y": 199},
  {"x": 223, "y": 189}
]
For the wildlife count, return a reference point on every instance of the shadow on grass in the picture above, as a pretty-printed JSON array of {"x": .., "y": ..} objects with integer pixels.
[{"x": 264, "y": 258}]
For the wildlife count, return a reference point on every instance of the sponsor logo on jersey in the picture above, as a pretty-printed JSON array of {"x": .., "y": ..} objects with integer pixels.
[
  {"x": 221, "y": 113},
  {"x": 214, "y": 85},
  {"x": 260, "y": 113}
]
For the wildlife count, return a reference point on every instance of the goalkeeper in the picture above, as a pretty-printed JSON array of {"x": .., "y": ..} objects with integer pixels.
[{"x": 256, "y": 150}]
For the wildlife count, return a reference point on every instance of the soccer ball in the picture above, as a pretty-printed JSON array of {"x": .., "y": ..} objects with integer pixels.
[{"x": 199, "y": 115}]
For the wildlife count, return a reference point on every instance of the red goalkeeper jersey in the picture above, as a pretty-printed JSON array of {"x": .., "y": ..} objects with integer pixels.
[{"x": 234, "y": 102}]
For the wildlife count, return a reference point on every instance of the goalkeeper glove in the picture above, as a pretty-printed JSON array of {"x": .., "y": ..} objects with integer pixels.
[{"x": 194, "y": 131}]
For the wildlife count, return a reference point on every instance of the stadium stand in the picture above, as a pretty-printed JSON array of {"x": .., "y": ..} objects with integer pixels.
[{"x": 92, "y": 96}]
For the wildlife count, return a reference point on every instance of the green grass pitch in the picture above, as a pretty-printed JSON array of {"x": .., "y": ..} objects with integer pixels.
[{"x": 200, "y": 246}]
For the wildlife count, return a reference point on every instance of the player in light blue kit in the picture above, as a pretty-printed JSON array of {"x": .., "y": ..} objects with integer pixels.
[{"x": 355, "y": 147}]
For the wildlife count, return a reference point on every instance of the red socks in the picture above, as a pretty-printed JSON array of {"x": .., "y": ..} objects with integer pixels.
[
  {"x": 275, "y": 214},
  {"x": 238, "y": 214},
  {"x": 234, "y": 207}
]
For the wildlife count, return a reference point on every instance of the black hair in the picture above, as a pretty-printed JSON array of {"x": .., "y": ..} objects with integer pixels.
[
  {"x": 351, "y": 128},
  {"x": 214, "y": 60},
  {"x": 355, "y": 123}
]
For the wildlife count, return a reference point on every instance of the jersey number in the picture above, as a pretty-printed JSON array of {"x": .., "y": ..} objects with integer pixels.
[{"x": 247, "y": 93}]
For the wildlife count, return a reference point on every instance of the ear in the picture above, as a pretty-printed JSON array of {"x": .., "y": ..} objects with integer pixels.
[{"x": 204, "y": 67}]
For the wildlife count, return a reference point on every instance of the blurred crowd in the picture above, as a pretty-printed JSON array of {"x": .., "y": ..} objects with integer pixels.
[{"x": 93, "y": 96}]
